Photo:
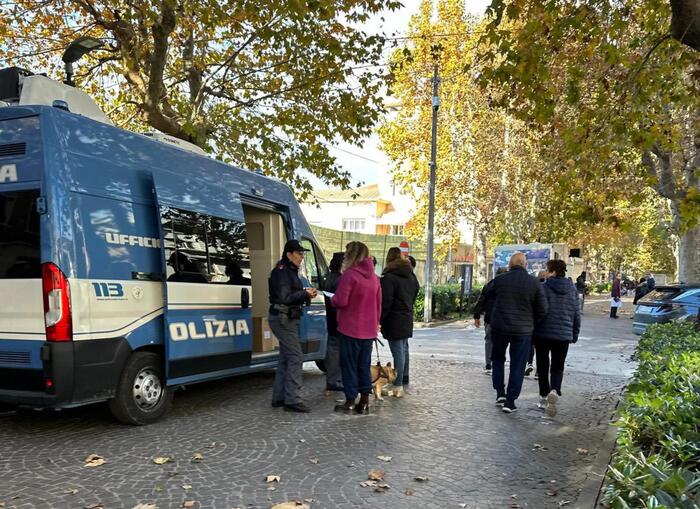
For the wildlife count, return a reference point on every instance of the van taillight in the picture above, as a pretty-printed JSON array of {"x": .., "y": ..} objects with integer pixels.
[{"x": 57, "y": 315}]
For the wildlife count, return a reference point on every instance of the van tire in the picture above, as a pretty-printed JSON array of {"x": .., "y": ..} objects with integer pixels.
[
  {"x": 137, "y": 403},
  {"x": 321, "y": 365}
]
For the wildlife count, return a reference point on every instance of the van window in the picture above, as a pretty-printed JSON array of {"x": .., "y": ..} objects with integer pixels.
[
  {"x": 20, "y": 256},
  {"x": 314, "y": 267},
  {"x": 204, "y": 249}
]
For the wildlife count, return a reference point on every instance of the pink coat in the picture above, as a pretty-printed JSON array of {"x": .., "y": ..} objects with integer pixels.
[{"x": 358, "y": 301}]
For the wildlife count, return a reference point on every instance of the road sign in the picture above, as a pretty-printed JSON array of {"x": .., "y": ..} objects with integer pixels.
[{"x": 403, "y": 246}]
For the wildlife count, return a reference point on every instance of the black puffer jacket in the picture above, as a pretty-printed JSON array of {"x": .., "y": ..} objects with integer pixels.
[
  {"x": 518, "y": 303},
  {"x": 399, "y": 292},
  {"x": 563, "y": 320},
  {"x": 285, "y": 286}
]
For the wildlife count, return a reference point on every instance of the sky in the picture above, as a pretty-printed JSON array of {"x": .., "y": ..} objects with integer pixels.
[{"x": 367, "y": 163}]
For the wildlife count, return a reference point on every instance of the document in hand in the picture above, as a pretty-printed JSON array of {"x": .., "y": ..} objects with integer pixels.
[{"x": 328, "y": 294}]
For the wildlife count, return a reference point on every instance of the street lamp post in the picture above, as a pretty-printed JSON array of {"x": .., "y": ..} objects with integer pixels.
[
  {"x": 75, "y": 51},
  {"x": 428, "y": 301}
]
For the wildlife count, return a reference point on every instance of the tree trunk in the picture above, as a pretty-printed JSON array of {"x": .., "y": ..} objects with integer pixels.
[
  {"x": 481, "y": 269},
  {"x": 689, "y": 256},
  {"x": 685, "y": 22}
]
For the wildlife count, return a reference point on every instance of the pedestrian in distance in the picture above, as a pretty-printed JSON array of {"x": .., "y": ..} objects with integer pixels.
[
  {"x": 651, "y": 282},
  {"x": 287, "y": 296},
  {"x": 358, "y": 304},
  {"x": 581, "y": 287},
  {"x": 483, "y": 306},
  {"x": 399, "y": 292},
  {"x": 616, "y": 295},
  {"x": 334, "y": 377},
  {"x": 518, "y": 303},
  {"x": 640, "y": 290},
  {"x": 553, "y": 334}
]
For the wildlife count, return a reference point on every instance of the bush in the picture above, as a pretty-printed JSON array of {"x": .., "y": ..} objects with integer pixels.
[
  {"x": 602, "y": 287},
  {"x": 445, "y": 301},
  {"x": 658, "y": 446}
]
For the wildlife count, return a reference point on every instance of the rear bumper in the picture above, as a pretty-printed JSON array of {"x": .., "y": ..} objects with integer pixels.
[{"x": 80, "y": 372}]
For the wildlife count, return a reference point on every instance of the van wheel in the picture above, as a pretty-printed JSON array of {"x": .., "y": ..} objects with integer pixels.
[
  {"x": 142, "y": 397},
  {"x": 321, "y": 365}
]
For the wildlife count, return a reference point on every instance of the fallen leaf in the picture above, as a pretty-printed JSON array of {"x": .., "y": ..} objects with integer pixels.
[
  {"x": 551, "y": 493},
  {"x": 272, "y": 478},
  {"x": 302, "y": 440},
  {"x": 315, "y": 461},
  {"x": 271, "y": 488},
  {"x": 308, "y": 500},
  {"x": 294, "y": 504},
  {"x": 384, "y": 458},
  {"x": 99, "y": 506},
  {"x": 514, "y": 496},
  {"x": 581, "y": 450},
  {"x": 162, "y": 460},
  {"x": 186, "y": 487},
  {"x": 421, "y": 478},
  {"x": 67, "y": 491},
  {"x": 409, "y": 493},
  {"x": 146, "y": 506},
  {"x": 197, "y": 457},
  {"x": 188, "y": 503},
  {"x": 94, "y": 460},
  {"x": 564, "y": 502},
  {"x": 381, "y": 487},
  {"x": 462, "y": 505},
  {"x": 212, "y": 445},
  {"x": 375, "y": 475}
]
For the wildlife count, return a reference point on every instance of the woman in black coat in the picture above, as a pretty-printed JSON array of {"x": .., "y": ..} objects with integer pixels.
[
  {"x": 399, "y": 292},
  {"x": 559, "y": 328}
]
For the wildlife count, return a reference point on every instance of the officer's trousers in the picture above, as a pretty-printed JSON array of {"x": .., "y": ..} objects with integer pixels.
[{"x": 287, "y": 385}]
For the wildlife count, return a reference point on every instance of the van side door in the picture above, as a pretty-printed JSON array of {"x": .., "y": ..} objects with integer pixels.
[
  {"x": 208, "y": 324},
  {"x": 313, "y": 333}
]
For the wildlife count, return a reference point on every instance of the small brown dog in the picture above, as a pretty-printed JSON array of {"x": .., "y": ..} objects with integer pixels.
[{"x": 381, "y": 376}]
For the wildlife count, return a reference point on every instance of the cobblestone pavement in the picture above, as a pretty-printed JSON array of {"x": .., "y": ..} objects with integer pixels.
[{"x": 446, "y": 429}]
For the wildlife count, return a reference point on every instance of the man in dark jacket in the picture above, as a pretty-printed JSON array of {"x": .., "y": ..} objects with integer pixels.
[
  {"x": 518, "y": 303},
  {"x": 555, "y": 332},
  {"x": 287, "y": 295},
  {"x": 334, "y": 377},
  {"x": 399, "y": 292},
  {"x": 484, "y": 306}
]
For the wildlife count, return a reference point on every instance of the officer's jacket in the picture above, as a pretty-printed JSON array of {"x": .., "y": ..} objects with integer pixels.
[{"x": 285, "y": 285}]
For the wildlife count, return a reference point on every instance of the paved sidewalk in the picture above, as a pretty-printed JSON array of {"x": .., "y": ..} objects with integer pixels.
[{"x": 446, "y": 429}]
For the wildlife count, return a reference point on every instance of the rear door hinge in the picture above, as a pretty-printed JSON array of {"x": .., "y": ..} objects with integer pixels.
[{"x": 41, "y": 205}]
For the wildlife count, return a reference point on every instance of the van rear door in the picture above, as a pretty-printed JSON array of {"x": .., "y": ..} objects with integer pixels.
[
  {"x": 208, "y": 324},
  {"x": 22, "y": 328}
]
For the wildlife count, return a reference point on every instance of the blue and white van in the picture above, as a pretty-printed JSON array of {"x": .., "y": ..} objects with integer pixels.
[{"x": 130, "y": 267}]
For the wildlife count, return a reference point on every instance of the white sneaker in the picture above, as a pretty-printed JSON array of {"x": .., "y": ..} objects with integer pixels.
[
  {"x": 542, "y": 403},
  {"x": 551, "y": 409},
  {"x": 398, "y": 391}
]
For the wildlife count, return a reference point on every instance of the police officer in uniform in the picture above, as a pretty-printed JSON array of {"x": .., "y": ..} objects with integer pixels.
[{"x": 287, "y": 295}]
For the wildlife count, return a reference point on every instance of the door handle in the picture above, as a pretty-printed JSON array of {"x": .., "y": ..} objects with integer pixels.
[{"x": 245, "y": 298}]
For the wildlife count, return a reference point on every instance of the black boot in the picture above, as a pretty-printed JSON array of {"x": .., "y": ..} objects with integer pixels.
[
  {"x": 363, "y": 406},
  {"x": 345, "y": 407}
]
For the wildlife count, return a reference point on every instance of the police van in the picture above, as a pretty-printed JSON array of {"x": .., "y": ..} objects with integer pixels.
[{"x": 129, "y": 266}]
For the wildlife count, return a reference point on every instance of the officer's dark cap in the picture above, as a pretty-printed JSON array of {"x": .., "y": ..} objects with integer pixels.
[{"x": 293, "y": 246}]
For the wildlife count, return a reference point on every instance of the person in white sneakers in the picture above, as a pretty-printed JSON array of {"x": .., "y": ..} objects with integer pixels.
[{"x": 559, "y": 328}]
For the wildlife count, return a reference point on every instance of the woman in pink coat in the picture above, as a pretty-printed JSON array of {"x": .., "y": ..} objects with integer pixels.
[{"x": 358, "y": 301}]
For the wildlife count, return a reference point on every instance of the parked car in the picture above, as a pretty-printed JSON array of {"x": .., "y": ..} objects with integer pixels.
[{"x": 665, "y": 304}]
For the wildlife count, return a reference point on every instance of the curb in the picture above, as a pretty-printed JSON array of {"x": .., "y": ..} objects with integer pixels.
[{"x": 597, "y": 472}]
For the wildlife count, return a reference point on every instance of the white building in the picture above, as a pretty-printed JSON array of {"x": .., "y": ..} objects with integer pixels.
[{"x": 364, "y": 210}]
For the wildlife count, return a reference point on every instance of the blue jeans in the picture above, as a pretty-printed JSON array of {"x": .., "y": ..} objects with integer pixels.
[
  {"x": 519, "y": 350},
  {"x": 399, "y": 351},
  {"x": 355, "y": 360}
]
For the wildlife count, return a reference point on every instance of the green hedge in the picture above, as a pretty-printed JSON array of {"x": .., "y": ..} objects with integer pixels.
[
  {"x": 657, "y": 460},
  {"x": 446, "y": 301},
  {"x": 602, "y": 287}
]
